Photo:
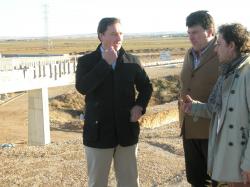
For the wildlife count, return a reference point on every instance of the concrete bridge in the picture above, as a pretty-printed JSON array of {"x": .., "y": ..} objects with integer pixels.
[{"x": 36, "y": 75}]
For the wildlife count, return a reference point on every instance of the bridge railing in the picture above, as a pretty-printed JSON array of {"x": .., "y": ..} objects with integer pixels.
[
  {"x": 35, "y": 75},
  {"x": 21, "y": 74}
]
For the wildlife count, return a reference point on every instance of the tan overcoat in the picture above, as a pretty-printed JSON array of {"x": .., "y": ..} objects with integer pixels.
[{"x": 198, "y": 83}]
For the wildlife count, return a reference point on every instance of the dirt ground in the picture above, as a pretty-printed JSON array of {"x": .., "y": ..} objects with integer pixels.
[{"x": 62, "y": 163}]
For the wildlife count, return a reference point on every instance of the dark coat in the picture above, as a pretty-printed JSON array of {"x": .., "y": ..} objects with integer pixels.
[{"x": 110, "y": 95}]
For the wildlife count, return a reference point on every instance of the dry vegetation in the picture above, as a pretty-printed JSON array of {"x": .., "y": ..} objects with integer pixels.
[
  {"x": 83, "y": 45},
  {"x": 166, "y": 89}
]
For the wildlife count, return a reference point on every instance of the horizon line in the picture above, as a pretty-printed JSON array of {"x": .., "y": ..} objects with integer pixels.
[{"x": 92, "y": 35}]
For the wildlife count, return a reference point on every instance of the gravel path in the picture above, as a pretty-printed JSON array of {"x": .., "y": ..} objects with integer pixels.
[{"x": 160, "y": 162}]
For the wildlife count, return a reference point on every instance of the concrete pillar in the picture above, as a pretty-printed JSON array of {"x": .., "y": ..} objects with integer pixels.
[{"x": 38, "y": 117}]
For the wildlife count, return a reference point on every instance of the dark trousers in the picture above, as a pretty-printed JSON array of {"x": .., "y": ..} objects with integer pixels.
[{"x": 195, "y": 151}]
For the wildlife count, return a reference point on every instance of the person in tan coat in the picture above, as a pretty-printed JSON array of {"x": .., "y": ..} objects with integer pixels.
[
  {"x": 198, "y": 76},
  {"x": 228, "y": 107}
]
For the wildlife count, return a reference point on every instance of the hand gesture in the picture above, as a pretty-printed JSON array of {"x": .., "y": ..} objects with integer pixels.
[
  {"x": 246, "y": 177},
  {"x": 135, "y": 113},
  {"x": 186, "y": 104},
  {"x": 110, "y": 55}
]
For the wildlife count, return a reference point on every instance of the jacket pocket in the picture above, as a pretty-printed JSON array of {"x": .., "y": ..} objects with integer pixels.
[
  {"x": 91, "y": 131},
  {"x": 135, "y": 128},
  {"x": 91, "y": 123}
]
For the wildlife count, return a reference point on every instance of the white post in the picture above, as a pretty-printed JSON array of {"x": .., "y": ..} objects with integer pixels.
[{"x": 38, "y": 116}]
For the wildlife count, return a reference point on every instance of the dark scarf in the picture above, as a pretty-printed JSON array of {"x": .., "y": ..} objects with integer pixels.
[{"x": 215, "y": 98}]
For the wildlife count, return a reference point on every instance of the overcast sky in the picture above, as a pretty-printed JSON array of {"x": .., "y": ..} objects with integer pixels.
[{"x": 66, "y": 17}]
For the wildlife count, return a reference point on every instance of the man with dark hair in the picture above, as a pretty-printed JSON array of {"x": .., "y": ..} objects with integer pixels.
[
  {"x": 198, "y": 76},
  {"x": 108, "y": 77},
  {"x": 228, "y": 107}
]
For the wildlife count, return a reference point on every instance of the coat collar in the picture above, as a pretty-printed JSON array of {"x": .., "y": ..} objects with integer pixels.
[
  {"x": 246, "y": 60},
  {"x": 228, "y": 85},
  {"x": 207, "y": 55}
]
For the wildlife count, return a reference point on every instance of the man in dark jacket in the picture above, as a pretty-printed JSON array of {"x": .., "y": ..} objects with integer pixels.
[{"x": 108, "y": 77}]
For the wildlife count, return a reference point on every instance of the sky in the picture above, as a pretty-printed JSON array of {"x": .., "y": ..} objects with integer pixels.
[{"x": 39, "y": 18}]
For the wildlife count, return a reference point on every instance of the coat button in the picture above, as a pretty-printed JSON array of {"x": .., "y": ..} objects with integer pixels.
[
  {"x": 236, "y": 75},
  {"x": 231, "y": 126},
  {"x": 231, "y": 109},
  {"x": 189, "y": 89},
  {"x": 232, "y": 91},
  {"x": 241, "y": 128},
  {"x": 243, "y": 143},
  {"x": 230, "y": 144},
  {"x": 96, "y": 122}
]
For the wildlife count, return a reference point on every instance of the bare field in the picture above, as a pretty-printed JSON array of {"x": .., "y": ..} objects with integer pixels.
[{"x": 81, "y": 45}]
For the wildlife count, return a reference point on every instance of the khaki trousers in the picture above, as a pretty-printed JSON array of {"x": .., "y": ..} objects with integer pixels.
[{"x": 125, "y": 166}]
